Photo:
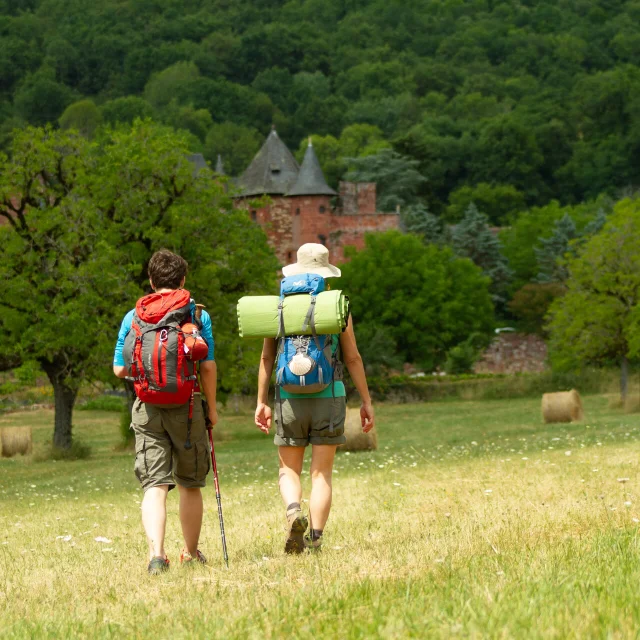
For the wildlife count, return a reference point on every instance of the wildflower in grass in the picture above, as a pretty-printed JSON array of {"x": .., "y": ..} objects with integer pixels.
[
  {"x": 103, "y": 539},
  {"x": 567, "y": 453},
  {"x": 623, "y": 480},
  {"x": 627, "y": 504}
]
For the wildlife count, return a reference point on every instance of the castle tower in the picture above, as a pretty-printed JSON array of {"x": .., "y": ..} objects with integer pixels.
[
  {"x": 272, "y": 172},
  {"x": 310, "y": 198}
]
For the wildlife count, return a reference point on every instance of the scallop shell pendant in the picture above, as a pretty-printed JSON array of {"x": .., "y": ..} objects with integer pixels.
[{"x": 301, "y": 364}]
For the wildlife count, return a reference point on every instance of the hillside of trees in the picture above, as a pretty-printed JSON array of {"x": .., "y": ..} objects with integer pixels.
[{"x": 526, "y": 101}]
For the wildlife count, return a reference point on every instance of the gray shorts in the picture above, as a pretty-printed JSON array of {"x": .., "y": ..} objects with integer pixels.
[
  {"x": 161, "y": 458},
  {"x": 308, "y": 421}
]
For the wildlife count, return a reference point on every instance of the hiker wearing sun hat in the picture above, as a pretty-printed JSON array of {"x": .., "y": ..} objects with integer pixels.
[{"x": 310, "y": 398}]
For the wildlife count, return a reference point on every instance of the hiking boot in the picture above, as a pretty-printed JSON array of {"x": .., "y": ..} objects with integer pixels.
[
  {"x": 158, "y": 565},
  {"x": 186, "y": 558},
  {"x": 296, "y": 526},
  {"x": 313, "y": 545}
]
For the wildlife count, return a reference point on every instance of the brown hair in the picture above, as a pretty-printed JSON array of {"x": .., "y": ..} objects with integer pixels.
[{"x": 167, "y": 269}]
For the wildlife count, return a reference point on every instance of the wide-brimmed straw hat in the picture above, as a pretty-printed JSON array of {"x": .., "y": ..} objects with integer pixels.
[{"x": 312, "y": 258}]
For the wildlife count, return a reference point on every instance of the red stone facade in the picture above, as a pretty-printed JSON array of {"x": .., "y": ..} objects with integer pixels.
[{"x": 290, "y": 221}]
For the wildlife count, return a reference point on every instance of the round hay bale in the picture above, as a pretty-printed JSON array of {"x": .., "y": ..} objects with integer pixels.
[
  {"x": 356, "y": 439},
  {"x": 14, "y": 440},
  {"x": 564, "y": 406}
]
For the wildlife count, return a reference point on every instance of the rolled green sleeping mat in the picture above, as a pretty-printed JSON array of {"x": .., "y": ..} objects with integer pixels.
[{"x": 258, "y": 315}]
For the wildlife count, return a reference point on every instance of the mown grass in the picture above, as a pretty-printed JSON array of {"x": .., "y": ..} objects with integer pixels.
[{"x": 473, "y": 519}]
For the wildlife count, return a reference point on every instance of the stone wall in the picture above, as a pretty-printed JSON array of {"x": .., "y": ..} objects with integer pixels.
[{"x": 514, "y": 353}]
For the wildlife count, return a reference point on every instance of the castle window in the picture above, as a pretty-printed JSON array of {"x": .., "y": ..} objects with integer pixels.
[
  {"x": 298, "y": 211},
  {"x": 322, "y": 209},
  {"x": 254, "y": 215},
  {"x": 289, "y": 256},
  {"x": 323, "y": 239}
]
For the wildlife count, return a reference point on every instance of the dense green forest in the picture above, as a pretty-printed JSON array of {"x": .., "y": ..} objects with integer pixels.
[{"x": 524, "y": 101}]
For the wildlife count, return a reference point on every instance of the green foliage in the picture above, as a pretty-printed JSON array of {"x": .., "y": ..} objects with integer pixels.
[
  {"x": 126, "y": 110},
  {"x": 462, "y": 357},
  {"x": 417, "y": 219},
  {"x": 236, "y": 144},
  {"x": 196, "y": 121},
  {"x": 495, "y": 101},
  {"x": 424, "y": 297},
  {"x": 551, "y": 251},
  {"x": 499, "y": 202},
  {"x": 80, "y": 234},
  {"x": 593, "y": 323},
  {"x": 397, "y": 178},
  {"x": 170, "y": 84},
  {"x": 83, "y": 116},
  {"x": 41, "y": 99},
  {"x": 520, "y": 239},
  {"x": 378, "y": 348},
  {"x": 103, "y": 403},
  {"x": 77, "y": 451},
  {"x": 531, "y": 303},
  {"x": 355, "y": 141},
  {"x": 472, "y": 238}
]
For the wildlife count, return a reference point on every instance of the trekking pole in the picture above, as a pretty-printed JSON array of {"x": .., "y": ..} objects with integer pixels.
[{"x": 217, "y": 485}]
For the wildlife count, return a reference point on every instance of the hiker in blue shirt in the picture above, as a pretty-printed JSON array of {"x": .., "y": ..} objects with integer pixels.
[{"x": 168, "y": 416}]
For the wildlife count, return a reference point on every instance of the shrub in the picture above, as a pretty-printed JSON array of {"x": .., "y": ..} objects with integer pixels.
[{"x": 103, "y": 403}]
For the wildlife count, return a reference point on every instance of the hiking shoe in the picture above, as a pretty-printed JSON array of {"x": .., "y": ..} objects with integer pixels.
[
  {"x": 296, "y": 526},
  {"x": 187, "y": 558},
  {"x": 313, "y": 545},
  {"x": 158, "y": 565}
]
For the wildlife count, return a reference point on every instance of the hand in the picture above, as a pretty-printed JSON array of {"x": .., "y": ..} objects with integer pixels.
[
  {"x": 263, "y": 417},
  {"x": 213, "y": 416},
  {"x": 367, "y": 417}
]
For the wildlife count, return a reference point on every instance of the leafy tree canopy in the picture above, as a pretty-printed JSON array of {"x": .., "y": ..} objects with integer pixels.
[
  {"x": 421, "y": 295},
  {"x": 595, "y": 322},
  {"x": 81, "y": 222},
  {"x": 540, "y": 98}
]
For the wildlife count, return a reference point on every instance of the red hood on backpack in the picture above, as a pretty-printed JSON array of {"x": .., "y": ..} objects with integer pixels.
[{"x": 155, "y": 306}]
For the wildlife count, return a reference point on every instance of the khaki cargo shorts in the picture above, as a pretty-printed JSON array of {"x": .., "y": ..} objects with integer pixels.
[
  {"x": 307, "y": 421},
  {"x": 161, "y": 458}
]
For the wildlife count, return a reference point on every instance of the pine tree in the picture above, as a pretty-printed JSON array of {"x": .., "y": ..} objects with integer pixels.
[
  {"x": 417, "y": 219},
  {"x": 596, "y": 225},
  {"x": 551, "y": 251},
  {"x": 473, "y": 238}
]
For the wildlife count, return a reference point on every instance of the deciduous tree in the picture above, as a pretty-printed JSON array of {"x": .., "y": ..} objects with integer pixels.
[
  {"x": 81, "y": 222},
  {"x": 595, "y": 321},
  {"x": 424, "y": 297}
]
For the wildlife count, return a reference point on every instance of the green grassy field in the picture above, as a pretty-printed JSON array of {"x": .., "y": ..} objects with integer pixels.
[{"x": 473, "y": 519}]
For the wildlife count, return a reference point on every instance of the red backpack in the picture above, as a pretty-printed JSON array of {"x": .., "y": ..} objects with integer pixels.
[{"x": 157, "y": 349}]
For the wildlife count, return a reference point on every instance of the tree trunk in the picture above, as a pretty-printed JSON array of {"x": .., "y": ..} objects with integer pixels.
[
  {"x": 65, "y": 397},
  {"x": 624, "y": 378}
]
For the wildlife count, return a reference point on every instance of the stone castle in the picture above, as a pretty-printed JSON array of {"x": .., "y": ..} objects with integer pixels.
[{"x": 302, "y": 207}]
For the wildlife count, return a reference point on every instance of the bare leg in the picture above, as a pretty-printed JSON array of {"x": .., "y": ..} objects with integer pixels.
[
  {"x": 154, "y": 518},
  {"x": 190, "y": 517},
  {"x": 322, "y": 456},
  {"x": 291, "y": 459}
]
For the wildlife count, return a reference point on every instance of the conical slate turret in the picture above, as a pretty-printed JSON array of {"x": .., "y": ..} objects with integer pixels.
[
  {"x": 272, "y": 172},
  {"x": 310, "y": 181}
]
